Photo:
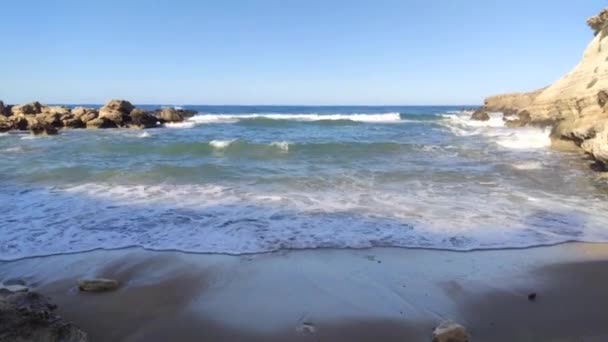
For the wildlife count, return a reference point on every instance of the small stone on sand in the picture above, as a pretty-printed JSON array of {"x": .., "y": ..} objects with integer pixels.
[
  {"x": 97, "y": 285},
  {"x": 450, "y": 332}
]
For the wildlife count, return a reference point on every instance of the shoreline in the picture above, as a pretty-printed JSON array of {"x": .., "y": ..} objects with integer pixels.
[
  {"x": 295, "y": 250},
  {"x": 382, "y": 293}
]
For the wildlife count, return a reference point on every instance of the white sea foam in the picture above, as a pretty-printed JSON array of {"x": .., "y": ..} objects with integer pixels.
[
  {"x": 144, "y": 135},
  {"x": 282, "y": 145},
  {"x": 14, "y": 149},
  {"x": 221, "y": 144},
  {"x": 494, "y": 129},
  {"x": 241, "y": 219},
  {"x": 525, "y": 138},
  {"x": 230, "y": 118},
  {"x": 529, "y": 165},
  {"x": 185, "y": 124}
]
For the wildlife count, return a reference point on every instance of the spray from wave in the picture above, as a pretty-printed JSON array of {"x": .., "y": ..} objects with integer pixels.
[{"x": 495, "y": 130}]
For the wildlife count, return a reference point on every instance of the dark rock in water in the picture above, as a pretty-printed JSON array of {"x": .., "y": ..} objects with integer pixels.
[
  {"x": 29, "y": 316},
  {"x": 450, "y": 332},
  {"x": 480, "y": 115},
  {"x": 100, "y": 123},
  {"x": 97, "y": 285},
  {"x": 40, "y": 127},
  {"x": 143, "y": 119},
  {"x": 169, "y": 115},
  {"x": 532, "y": 296}
]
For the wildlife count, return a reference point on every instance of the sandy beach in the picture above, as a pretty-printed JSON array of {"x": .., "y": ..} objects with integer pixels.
[{"x": 381, "y": 294}]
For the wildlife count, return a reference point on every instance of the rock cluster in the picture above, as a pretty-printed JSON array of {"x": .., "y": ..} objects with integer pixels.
[
  {"x": 41, "y": 119},
  {"x": 29, "y": 316},
  {"x": 576, "y": 106}
]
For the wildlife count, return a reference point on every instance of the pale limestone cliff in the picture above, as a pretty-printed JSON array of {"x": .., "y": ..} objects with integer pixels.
[{"x": 577, "y": 104}]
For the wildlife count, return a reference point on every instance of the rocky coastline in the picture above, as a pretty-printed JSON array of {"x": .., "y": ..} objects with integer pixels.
[
  {"x": 41, "y": 119},
  {"x": 576, "y": 106}
]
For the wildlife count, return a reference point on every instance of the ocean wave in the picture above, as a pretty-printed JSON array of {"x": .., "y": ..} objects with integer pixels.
[
  {"x": 282, "y": 145},
  {"x": 221, "y": 144},
  {"x": 214, "y": 218},
  {"x": 231, "y": 118},
  {"x": 494, "y": 129}
]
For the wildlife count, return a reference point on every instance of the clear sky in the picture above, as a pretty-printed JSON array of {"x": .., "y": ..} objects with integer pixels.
[{"x": 286, "y": 52}]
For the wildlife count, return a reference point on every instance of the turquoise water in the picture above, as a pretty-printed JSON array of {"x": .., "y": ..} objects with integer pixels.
[{"x": 238, "y": 179}]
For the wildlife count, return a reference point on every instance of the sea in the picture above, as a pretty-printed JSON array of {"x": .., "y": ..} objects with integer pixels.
[{"x": 255, "y": 179}]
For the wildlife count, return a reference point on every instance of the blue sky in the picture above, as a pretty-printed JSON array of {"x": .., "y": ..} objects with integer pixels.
[{"x": 286, "y": 52}]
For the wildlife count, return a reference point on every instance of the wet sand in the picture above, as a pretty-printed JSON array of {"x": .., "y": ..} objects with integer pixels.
[{"x": 380, "y": 294}]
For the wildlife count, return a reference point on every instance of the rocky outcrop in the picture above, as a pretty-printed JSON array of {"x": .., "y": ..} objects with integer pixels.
[
  {"x": 40, "y": 127},
  {"x": 27, "y": 109},
  {"x": 85, "y": 114},
  {"x": 117, "y": 111},
  {"x": 510, "y": 104},
  {"x": 98, "y": 123},
  {"x": 29, "y": 316},
  {"x": 41, "y": 119},
  {"x": 5, "y": 124},
  {"x": 599, "y": 22},
  {"x": 575, "y": 105}
]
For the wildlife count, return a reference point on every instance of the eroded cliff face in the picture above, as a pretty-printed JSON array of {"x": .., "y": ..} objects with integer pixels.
[{"x": 577, "y": 104}]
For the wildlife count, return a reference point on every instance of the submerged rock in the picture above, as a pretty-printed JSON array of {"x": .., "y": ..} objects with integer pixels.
[
  {"x": 480, "y": 115},
  {"x": 450, "y": 332},
  {"x": 29, "y": 316},
  {"x": 97, "y": 285}
]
